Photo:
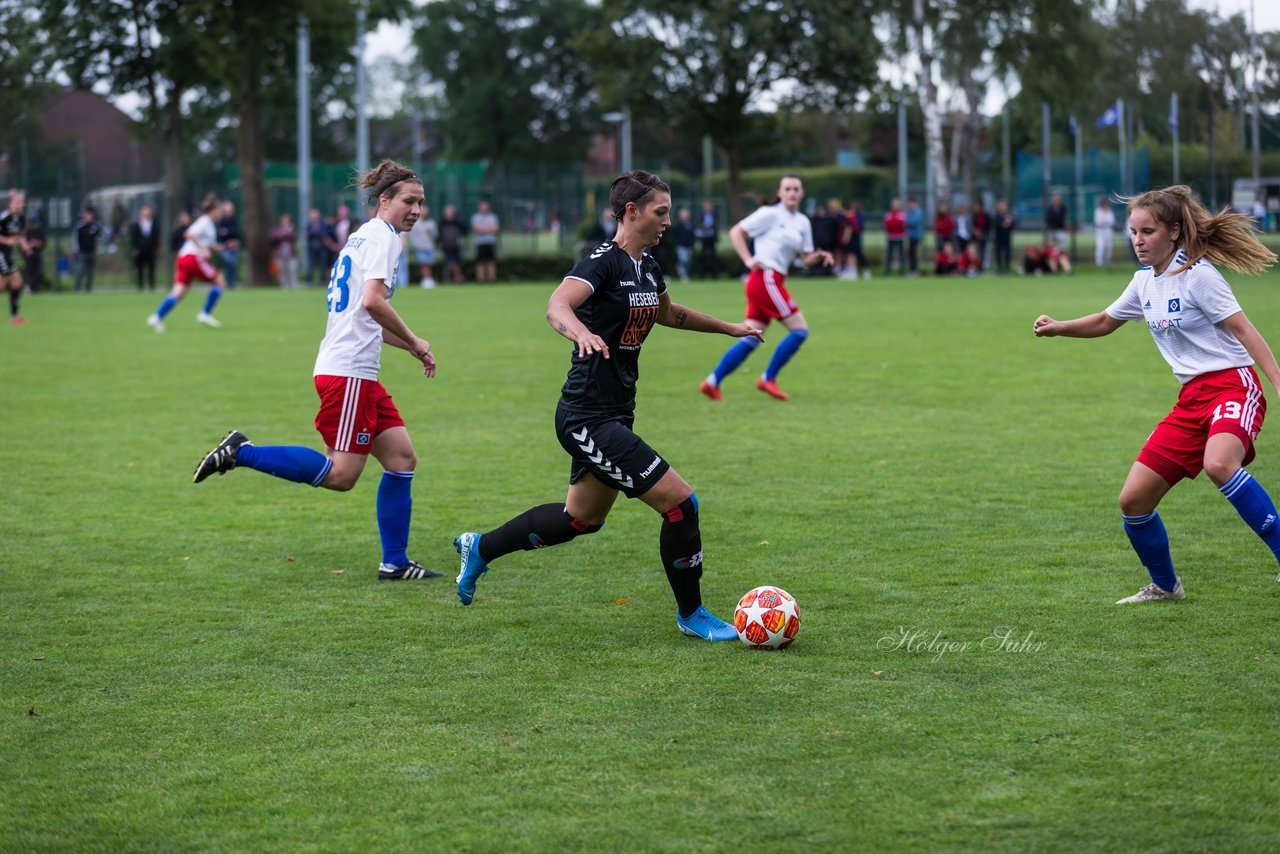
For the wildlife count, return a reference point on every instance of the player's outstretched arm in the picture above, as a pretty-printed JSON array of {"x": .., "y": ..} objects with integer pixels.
[
  {"x": 1090, "y": 326},
  {"x": 682, "y": 317},
  {"x": 1248, "y": 335}
]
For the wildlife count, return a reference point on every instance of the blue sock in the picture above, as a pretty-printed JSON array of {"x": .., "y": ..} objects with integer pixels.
[
  {"x": 1151, "y": 542},
  {"x": 782, "y": 354},
  {"x": 395, "y": 508},
  {"x": 215, "y": 293},
  {"x": 166, "y": 306},
  {"x": 291, "y": 462},
  {"x": 1255, "y": 507},
  {"x": 733, "y": 357}
]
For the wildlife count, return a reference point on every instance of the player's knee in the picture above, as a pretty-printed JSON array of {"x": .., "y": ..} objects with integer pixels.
[
  {"x": 1220, "y": 470},
  {"x": 585, "y": 526},
  {"x": 749, "y": 343},
  {"x": 802, "y": 333},
  {"x": 1135, "y": 503}
]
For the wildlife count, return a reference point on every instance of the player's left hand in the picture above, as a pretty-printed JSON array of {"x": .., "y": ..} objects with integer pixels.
[
  {"x": 422, "y": 352},
  {"x": 746, "y": 330}
]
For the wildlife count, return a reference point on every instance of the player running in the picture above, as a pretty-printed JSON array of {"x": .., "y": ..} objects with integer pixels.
[
  {"x": 1203, "y": 334},
  {"x": 13, "y": 226},
  {"x": 606, "y": 306},
  {"x": 781, "y": 233},
  {"x": 357, "y": 417},
  {"x": 193, "y": 263}
]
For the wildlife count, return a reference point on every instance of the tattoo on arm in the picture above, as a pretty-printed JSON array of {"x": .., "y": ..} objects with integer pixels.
[
  {"x": 561, "y": 327},
  {"x": 681, "y": 317}
]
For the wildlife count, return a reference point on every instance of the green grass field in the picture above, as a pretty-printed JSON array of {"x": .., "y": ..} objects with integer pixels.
[{"x": 215, "y": 667}]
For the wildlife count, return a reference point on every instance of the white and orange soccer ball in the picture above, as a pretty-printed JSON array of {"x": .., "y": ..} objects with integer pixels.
[{"x": 767, "y": 618}]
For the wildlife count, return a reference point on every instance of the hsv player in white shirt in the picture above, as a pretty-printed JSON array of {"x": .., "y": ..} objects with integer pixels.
[
  {"x": 357, "y": 417},
  {"x": 1203, "y": 334},
  {"x": 193, "y": 265},
  {"x": 781, "y": 235}
]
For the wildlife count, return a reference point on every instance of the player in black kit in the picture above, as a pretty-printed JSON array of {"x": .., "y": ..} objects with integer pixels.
[
  {"x": 13, "y": 226},
  {"x": 606, "y": 306}
]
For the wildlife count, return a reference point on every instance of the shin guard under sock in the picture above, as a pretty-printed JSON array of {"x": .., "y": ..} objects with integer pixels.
[
  {"x": 395, "y": 510},
  {"x": 1255, "y": 507},
  {"x": 1151, "y": 542},
  {"x": 535, "y": 528},
  {"x": 680, "y": 545}
]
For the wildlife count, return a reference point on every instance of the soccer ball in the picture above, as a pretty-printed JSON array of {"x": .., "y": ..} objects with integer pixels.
[{"x": 767, "y": 618}]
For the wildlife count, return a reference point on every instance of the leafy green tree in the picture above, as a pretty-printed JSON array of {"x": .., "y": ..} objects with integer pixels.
[
  {"x": 706, "y": 67},
  {"x": 515, "y": 85}
]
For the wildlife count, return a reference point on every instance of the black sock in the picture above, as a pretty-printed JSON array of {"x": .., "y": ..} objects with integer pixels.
[
  {"x": 535, "y": 528},
  {"x": 680, "y": 544},
  {"x": 14, "y": 296}
]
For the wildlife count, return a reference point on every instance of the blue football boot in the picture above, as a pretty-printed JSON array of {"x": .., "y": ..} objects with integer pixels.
[
  {"x": 700, "y": 624},
  {"x": 473, "y": 566}
]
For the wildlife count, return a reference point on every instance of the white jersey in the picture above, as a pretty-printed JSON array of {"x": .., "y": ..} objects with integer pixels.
[
  {"x": 1183, "y": 313},
  {"x": 352, "y": 344},
  {"x": 202, "y": 236},
  {"x": 779, "y": 235}
]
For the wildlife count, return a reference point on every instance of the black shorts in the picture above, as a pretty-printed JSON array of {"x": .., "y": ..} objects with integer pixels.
[
  {"x": 605, "y": 446},
  {"x": 453, "y": 255},
  {"x": 485, "y": 252},
  {"x": 7, "y": 267}
]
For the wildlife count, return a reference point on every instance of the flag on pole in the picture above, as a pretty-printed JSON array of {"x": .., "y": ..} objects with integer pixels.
[
  {"x": 1073, "y": 127},
  {"x": 1173, "y": 113},
  {"x": 1111, "y": 117}
]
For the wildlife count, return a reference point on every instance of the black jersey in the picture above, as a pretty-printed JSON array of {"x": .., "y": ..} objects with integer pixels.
[
  {"x": 622, "y": 309},
  {"x": 11, "y": 225}
]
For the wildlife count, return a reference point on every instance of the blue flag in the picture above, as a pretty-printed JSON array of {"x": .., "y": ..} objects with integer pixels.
[
  {"x": 1111, "y": 117},
  {"x": 1173, "y": 112}
]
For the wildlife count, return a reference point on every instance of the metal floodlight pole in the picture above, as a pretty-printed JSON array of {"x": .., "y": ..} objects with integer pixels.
[
  {"x": 362, "y": 117},
  {"x": 304, "y": 138},
  {"x": 1046, "y": 173},
  {"x": 1256, "y": 109},
  {"x": 626, "y": 138},
  {"x": 902, "y": 148}
]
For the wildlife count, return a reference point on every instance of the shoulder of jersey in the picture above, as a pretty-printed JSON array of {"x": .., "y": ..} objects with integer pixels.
[{"x": 601, "y": 250}]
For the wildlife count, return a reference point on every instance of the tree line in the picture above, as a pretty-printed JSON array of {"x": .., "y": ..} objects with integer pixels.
[{"x": 529, "y": 80}]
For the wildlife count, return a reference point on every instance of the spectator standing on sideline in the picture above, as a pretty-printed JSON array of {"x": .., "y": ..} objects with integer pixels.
[
  {"x": 284, "y": 250},
  {"x": 895, "y": 232},
  {"x": 119, "y": 224},
  {"x": 944, "y": 227},
  {"x": 452, "y": 232},
  {"x": 826, "y": 235},
  {"x": 84, "y": 239},
  {"x": 854, "y": 260},
  {"x": 317, "y": 252},
  {"x": 1104, "y": 223},
  {"x": 229, "y": 238},
  {"x": 981, "y": 224},
  {"x": 485, "y": 227},
  {"x": 1055, "y": 221},
  {"x": 1260, "y": 213},
  {"x": 341, "y": 228},
  {"x": 963, "y": 232},
  {"x": 423, "y": 240},
  {"x": 915, "y": 236},
  {"x": 144, "y": 243},
  {"x": 683, "y": 234},
  {"x": 1004, "y": 224},
  {"x": 13, "y": 240},
  {"x": 707, "y": 231},
  {"x": 34, "y": 254}
]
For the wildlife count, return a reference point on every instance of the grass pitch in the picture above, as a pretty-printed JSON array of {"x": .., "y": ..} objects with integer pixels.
[{"x": 216, "y": 667}]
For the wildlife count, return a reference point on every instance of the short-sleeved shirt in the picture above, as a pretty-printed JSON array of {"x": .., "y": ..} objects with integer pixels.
[
  {"x": 11, "y": 225},
  {"x": 1182, "y": 312},
  {"x": 484, "y": 220},
  {"x": 203, "y": 237},
  {"x": 352, "y": 345},
  {"x": 780, "y": 235},
  {"x": 622, "y": 308}
]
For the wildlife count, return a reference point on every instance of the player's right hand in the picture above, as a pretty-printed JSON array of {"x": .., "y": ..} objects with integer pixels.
[
  {"x": 589, "y": 343},
  {"x": 1045, "y": 327}
]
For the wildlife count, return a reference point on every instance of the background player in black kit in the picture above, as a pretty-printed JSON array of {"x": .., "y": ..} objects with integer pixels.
[
  {"x": 13, "y": 241},
  {"x": 606, "y": 305}
]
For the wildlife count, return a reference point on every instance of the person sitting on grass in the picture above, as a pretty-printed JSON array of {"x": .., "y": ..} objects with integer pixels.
[{"x": 946, "y": 264}]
